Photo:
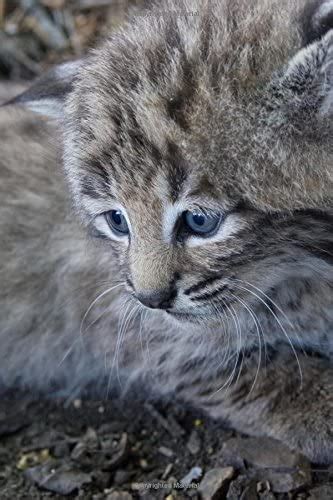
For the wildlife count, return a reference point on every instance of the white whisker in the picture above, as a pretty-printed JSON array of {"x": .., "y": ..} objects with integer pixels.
[
  {"x": 255, "y": 321},
  {"x": 280, "y": 325},
  {"x": 95, "y": 301}
]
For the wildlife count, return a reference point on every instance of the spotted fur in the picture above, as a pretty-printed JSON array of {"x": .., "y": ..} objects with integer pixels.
[{"x": 223, "y": 106}]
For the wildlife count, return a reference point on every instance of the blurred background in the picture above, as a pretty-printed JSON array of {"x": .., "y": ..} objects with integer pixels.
[{"x": 35, "y": 34}]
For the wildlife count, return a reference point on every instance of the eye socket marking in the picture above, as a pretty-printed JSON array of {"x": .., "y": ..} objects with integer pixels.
[{"x": 117, "y": 222}]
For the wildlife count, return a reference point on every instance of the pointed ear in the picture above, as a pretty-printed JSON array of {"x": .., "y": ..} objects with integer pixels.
[
  {"x": 47, "y": 94},
  {"x": 306, "y": 84}
]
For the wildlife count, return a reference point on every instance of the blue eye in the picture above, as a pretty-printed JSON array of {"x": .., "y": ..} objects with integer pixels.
[
  {"x": 117, "y": 222},
  {"x": 200, "y": 223}
]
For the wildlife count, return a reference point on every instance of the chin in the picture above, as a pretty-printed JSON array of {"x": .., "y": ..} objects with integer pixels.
[{"x": 187, "y": 318}]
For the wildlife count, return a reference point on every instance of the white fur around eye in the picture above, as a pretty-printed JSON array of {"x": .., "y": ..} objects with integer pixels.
[
  {"x": 171, "y": 214},
  {"x": 103, "y": 227},
  {"x": 229, "y": 226}
]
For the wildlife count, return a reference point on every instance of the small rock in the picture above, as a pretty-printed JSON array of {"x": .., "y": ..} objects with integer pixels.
[
  {"x": 88, "y": 445},
  {"x": 250, "y": 492},
  {"x": 215, "y": 483},
  {"x": 243, "y": 485},
  {"x": 27, "y": 460},
  {"x": 324, "y": 492},
  {"x": 63, "y": 481},
  {"x": 90, "y": 436},
  {"x": 263, "y": 486},
  {"x": 194, "y": 475},
  {"x": 165, "y": 451},
  {"x": 167, "y": 471},
  {"x": 118, "y": 455},
  {"x": 194, "y": 443},
  {"x": 121, "y": 476},
  {"x": 284, "y": 469},
  {"x": 143, "y": 463}
]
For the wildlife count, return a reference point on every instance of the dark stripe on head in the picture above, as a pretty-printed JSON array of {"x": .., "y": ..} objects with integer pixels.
[
  {"x": 177, "y": 171},
  {"x": 176, "y": 105},
  {"x": 202, "y": 284},
  {"x": 211, "y": 295}
]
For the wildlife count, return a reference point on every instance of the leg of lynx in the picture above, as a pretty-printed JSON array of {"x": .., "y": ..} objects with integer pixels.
[{"x": 280, "y": 405}]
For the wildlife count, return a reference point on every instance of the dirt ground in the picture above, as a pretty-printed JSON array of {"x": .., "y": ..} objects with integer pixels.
[{"x": 122, "y": 450}]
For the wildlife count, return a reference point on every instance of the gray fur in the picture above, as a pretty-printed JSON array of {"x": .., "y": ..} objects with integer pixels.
[{"x": 229, "y": 109}]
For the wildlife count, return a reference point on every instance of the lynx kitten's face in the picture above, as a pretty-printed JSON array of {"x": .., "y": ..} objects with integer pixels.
[{"x": 195, "y": 145}]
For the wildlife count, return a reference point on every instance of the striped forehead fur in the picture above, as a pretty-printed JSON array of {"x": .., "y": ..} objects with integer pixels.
[{"x": 177, "y": 92}]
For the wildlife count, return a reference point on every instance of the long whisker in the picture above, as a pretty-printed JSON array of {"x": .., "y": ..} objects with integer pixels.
[
  {"x": 142, "y": 311},
  {"x": 109, "y": 290},
  {"x": 67, "y": 353},
  {"x": 80, "y": 338},
  {"x": 240, "y": 349},
  {"x": 120, "y": 320},
  {"x": 226, "y": 331},
  {"x": 248, "y": 308},
  {"x": 126, "y": 325},
  {"x": 228, "y": 382},
  {"x": 280, "y": 325},
  {"x": 278, "y": 308},
  {"x": 120, "y": 311}
]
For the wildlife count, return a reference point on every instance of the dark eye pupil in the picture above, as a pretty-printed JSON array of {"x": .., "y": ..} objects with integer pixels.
[
  {"x": 198, "y": 219},
  {"x": 117, "y": 222},
  {"x": 201, "y": 223},
  {"x": 117, "y": 217}
]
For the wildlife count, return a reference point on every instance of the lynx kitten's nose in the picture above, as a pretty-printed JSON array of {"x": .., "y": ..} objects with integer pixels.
[{"x": 156, "y": 299}]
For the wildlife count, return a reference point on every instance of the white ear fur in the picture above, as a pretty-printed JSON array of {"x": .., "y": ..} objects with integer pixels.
[{"x": 47, "y": 94}]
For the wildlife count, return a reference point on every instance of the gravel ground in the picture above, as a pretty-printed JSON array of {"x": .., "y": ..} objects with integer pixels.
[{"x": 120, "y": 450}]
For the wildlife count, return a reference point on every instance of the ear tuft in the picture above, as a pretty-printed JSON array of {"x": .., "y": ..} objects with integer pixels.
[
  {"x": 48, "y": 93},
  {"x": 317, "y": 20},
  {"x": 305, "y": 88}
]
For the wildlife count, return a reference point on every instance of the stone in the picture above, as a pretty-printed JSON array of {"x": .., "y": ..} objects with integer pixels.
[
  {"x": 194, "y": 443},
  {"x": 63, "y": 481},
  {"x": 194, "y": 475},
  {"x": 215, "y": 483},
  {"x": 324, "y": 492},
  {"x": 285, "y": 469},
  {"x": 243, "y": 487}
]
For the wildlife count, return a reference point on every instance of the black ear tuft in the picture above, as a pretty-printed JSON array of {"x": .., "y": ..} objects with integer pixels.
[
  {"x": 48, "y": 93},
  {"x": 316, "y": 20}
]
